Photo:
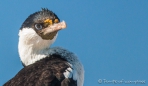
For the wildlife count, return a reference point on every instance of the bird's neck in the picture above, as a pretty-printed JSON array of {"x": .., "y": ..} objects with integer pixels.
[
  {"x": 32, "y": 47},
  {"x": 29, "y": 54}
]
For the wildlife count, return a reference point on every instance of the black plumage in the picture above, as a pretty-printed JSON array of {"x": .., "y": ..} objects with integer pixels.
[{"x": 45, "y": 72}]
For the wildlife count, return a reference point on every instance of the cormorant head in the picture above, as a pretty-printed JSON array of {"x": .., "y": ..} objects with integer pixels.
[{"x": 40, "y": 29}]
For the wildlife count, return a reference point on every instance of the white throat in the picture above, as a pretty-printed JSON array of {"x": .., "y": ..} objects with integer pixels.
[{"x": 32, "y": 47}]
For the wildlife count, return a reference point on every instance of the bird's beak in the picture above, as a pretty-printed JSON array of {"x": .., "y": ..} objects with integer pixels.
[
  {"x": 51, "y": 31},
  {"x": 55, "y": 27}
]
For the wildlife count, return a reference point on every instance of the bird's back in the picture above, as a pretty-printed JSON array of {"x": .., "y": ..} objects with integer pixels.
[{"x": 45, "y": 72}]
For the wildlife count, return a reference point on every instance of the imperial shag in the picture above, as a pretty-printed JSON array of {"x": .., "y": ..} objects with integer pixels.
[{"x": 45, "y": 66}]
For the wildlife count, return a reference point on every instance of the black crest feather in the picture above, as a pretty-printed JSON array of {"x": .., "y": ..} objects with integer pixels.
[{"x": 39, "y": 17}]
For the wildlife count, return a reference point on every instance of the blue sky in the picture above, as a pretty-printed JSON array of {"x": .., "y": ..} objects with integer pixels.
[{"x": 110, "y": 37}]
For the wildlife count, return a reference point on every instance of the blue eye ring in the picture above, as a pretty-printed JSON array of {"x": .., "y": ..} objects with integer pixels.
[{"x": 38, "y": 26}]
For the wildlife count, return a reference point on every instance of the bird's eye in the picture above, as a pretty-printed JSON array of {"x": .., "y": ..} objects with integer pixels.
[{"x": 38, "y": 26}]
